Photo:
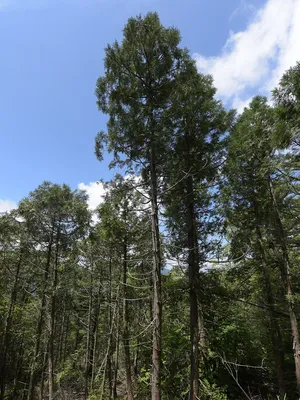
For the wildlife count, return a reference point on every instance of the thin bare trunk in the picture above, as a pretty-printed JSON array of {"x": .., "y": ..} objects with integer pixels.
[
  {"x": 202, "y": 339},
  {"x": 44, "y": 366},
  {"x": 202, "y": 334},
  {"x": 88, "y": 337},
  {"x": 126, "y": 341},
  {"x": 116, "y": 363},
  {"x": 94, "y": 338},
  {"x": 52, "y": 315},
  {"x": 66, "y": 334},
  {"x": 110, "y": 347},
  {"x": 136, "y": 358},
  {"x": 105, "y": 364},
  {"x": 19, "y": 368},
  {"x": 109, "y": 374},
  {"x": 7, "y": 329},
  {"x": 276, "y": 336},
  {"x": 157, "y": 304},
  {"x": 40, "y": 325},
  {"x": 285, "y": 272},
  {"x": 193, "y": 272},
  {"x": 62, "y": 333}
]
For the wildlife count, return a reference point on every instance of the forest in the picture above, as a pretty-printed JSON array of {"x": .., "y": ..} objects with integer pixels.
[{"x": 184, "y": 283}]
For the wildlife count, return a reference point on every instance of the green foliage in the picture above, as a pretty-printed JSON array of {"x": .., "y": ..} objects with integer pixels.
[
  {"x": 287, "y": 101},
  {"x": 140, "y": 76},
  {"x": 211, "y": 391},
  {"x": 76, "y": 295}
]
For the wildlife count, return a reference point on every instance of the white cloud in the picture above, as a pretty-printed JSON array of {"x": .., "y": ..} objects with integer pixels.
[
  {"x": 240, "y": 104},
  {"x": 95, "y": 191},
  {"x": 7, "y": 205},
  {"x": 253, "y": 60},
  {"x": 243, "y": 8}
]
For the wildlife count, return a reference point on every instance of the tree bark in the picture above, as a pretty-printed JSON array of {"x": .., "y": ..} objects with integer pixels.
[
  {"x": 276, "y": 336},
  {"x": 52, "y": 315},
  {"x": 62, "y": 333},
  {"x": 285, "y": 273},
  {"x": 95, "y": 337},
  {"x": 43, "y": 370},
  {"x": 135, "y": 360},
  {"x": 40, "y": 323},
  {"x": 88, "y": 338},
  {"x": 157, "y": 304},
  {"x": 110, "y": 329},
  {"x": 19, "y": 368},
  {"x": 203, "y": 342},
  {"x": 116, "y": 363},
  {"x": 7, "y": 329},
  {"x": 126, "y": 342},
  {"x": 193, "y": 273}
]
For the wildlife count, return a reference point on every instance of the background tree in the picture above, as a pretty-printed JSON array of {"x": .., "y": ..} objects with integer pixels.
[
  {"x": 252, "y": 173},
  {"x": 55, "y": 217},
  {"x": 195, "y": 158}
]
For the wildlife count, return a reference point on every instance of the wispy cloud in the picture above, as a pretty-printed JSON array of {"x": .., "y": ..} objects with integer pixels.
[
  {"x": 7, "y": 205},
  {"x": 95, "y": 192},
  {"x": 244, "y": 8},
  {"x": 253, "y": 60}
]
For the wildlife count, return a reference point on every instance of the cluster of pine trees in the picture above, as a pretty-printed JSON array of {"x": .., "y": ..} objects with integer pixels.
[{"x": 88, "y": 308}]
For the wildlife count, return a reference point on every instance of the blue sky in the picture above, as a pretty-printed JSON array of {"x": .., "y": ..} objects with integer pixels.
[{"x": 52, "y": 53}]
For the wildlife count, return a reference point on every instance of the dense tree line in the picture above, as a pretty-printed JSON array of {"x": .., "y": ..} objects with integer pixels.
[{"x": 88, "y": 307}]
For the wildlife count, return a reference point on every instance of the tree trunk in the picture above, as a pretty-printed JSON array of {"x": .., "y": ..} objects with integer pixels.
[
  {"x": 61, "y": 334},
  {"x": 136, "y": 358},
  {"x": 19, "y": 368},
  {"x": 88, "y": 337},
  {"x": 52, "y": 315},
  {"x": 110, "y": 374},
  {"x": 8, "y": 323},
  {"x": 193, "y": 272},
  {"x": 66, "y": 334},
  {"x": 44, "y": 368},
  {"x": 40, "y": 324},
  {"x": 110, "y": 329},
  {"x": 202, "y": 339},
  {"x": 276, "y": 336},
  {"x": 126, "y": 342},
  {"x": 95, "y": 337},
  {"x": 201, "y": 330},
  {"x": 116, "y": 363},
  {"x": 285, "y": 273},
  {"x": 157, "y": 304}
]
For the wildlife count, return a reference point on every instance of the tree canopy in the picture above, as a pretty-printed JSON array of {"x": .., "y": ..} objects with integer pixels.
[{"x": 184, "y": 282}]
